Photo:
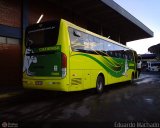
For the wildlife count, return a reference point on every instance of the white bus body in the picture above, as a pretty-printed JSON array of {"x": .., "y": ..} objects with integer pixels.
[{"x": 153, "y": 66}]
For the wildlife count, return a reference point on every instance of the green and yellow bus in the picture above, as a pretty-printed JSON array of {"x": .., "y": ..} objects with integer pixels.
[{"x": 61, "y": 56}]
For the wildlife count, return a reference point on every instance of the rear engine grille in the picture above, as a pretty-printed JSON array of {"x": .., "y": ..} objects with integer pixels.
[{"x": 76, "y": 81}]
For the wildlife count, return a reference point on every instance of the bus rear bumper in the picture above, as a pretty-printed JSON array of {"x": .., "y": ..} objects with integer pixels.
[{"x": 56, "y": 85}]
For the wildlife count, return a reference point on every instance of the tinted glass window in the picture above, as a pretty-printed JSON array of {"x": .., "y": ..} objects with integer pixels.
[
  {"x": 84, "y": 42},
  {"x": 120, "y": 51},
  {"x": 109, "y": 48},
  {"x": 79, "y": 40},
  {"x": 129, "y": 54},
  {"x": 3, "y": 40},
  {"x": 12, "y": 41},
  {"x": 95, "y": 43},
  {"x": 42, "y": 35}
]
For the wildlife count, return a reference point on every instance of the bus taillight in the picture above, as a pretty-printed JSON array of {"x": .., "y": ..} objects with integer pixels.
[{"x": 64, "y": 65}]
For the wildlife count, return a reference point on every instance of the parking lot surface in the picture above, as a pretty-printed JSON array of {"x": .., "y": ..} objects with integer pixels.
[{"x": 139, "y": 102}]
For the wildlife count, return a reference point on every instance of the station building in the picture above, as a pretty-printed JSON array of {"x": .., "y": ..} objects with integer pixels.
[{"x": 104, "y": 17}]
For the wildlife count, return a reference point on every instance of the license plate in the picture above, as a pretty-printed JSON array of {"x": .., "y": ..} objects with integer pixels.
[{"x": 38, "y": 82}]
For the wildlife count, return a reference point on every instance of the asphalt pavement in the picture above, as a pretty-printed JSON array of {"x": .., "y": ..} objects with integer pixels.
[{"x": 121, "y": 104}]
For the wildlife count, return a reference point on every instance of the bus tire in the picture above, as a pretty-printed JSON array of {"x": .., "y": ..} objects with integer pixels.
[
  {"x": 132, "y": 79},
  {"x": 136, "y": 75},
  {"x": 100, "y": 84}
]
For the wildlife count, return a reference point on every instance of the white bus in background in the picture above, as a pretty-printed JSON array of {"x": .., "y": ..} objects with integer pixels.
[{"x": 153, "y": 66}]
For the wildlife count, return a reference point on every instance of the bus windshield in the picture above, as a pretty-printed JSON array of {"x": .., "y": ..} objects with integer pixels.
[{"x": 42, "y": 35}]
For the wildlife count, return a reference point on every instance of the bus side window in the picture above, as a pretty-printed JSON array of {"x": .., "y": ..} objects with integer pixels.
[
  {"x": 77, "y": 39},
  {"x": 73, "y": 38},
  {"x": 109, "y": 48},
  {"x": 116, "y": 47},
  {"x": 76, "y": 33},
  {"x": 98, "y": 45},
  {"x": 130, "y": 55}
]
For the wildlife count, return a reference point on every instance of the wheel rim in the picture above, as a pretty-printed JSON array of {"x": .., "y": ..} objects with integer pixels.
[{"x": 100, "y": 86}]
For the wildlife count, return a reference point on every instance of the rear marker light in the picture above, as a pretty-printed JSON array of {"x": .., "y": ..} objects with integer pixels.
[{"x": 64, "y": 65}]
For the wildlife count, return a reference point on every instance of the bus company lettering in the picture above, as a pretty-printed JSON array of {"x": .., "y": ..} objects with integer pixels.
[{"x": 56, "y": 48}]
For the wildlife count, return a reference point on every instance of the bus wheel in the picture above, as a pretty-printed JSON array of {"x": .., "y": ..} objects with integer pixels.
[
  {"x": 100, "y": 84},
  {"x": 132, "y": 79},
  {"x": 136, "y": 75}
]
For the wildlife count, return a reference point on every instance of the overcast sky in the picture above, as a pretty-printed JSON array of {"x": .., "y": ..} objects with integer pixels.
[{"x": 148, "y": 12}]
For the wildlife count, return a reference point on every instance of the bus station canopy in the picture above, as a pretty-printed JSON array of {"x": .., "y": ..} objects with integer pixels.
[{"x": 110, "y": 16}]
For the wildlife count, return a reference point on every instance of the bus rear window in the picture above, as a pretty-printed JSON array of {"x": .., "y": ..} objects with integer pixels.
[{"x": 42, "y": 35}]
